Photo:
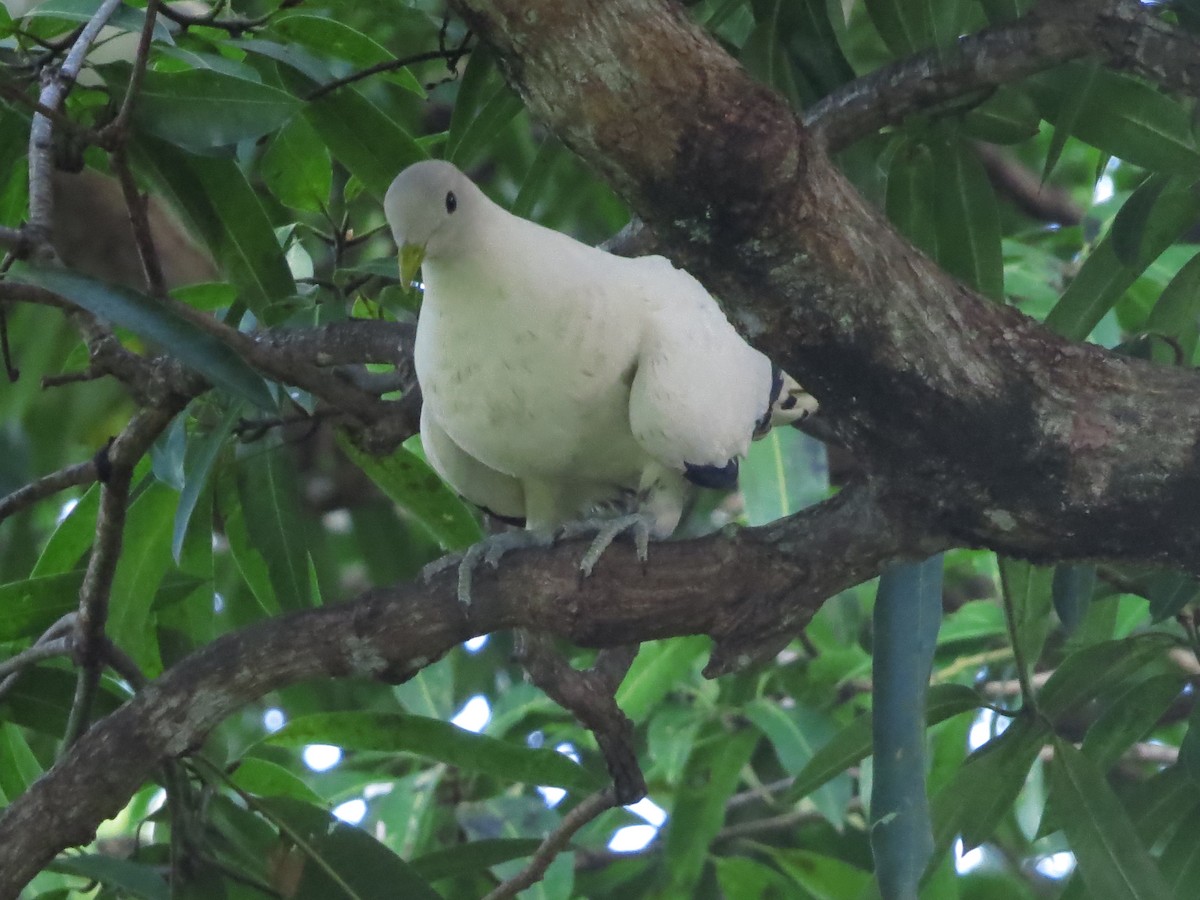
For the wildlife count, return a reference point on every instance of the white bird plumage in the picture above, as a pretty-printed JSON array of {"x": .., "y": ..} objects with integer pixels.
[{"x": 560, "y": 380}]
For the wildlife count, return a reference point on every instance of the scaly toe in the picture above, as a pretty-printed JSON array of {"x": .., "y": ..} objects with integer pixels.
[{"x": 606, "y": 532}]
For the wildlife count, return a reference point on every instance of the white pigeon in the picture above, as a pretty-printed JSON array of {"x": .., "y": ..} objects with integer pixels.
[{"x": 562, "y": 383}]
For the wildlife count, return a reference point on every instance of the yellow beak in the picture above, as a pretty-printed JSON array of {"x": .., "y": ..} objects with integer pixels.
[{"x": 411, "y": 257}]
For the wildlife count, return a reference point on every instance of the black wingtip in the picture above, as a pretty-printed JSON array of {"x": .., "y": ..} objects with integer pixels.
[{"x": 719, "y": 478}]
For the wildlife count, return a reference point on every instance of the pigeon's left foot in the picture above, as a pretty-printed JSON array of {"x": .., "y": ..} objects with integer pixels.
[
  {"x": 490, "y": 550},
  {"x": 640, "y": 525}
]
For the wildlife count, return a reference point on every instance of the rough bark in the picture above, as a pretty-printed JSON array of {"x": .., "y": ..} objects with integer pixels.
[
  {"x": 993, "y": 430},
  {"x": 976, "y": 426},
  {"x": 745, "y": 590}
]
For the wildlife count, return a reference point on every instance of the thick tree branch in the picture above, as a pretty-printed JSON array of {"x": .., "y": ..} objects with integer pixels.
[
  {"x": 740, "y": 589},
  {"x": 995, "y": 431},
  {"x": 1121, "y": 33}
]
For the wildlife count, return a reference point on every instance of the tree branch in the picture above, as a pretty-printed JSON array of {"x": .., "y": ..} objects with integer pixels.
[
  {"x": 1121, "y": 33},
  {"x": 55, "y": 87},
  {"x": 47, "y": 486},
  {"x": 554, "y": 844},
  {"x": 950, "y": 398},
  {"x": 737, "y": 588}
]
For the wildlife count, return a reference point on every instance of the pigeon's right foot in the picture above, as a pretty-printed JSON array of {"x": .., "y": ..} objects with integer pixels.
[
  {"x": 490, "y": 550},
  {"x": 638, "y": 524}
]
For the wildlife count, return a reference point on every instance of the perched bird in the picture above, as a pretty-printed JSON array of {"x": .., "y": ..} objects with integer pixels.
[{"x": 562, "y": 383}]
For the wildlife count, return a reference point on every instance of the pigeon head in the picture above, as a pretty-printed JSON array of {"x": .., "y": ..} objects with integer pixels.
[{"x": 429, "y": 207}]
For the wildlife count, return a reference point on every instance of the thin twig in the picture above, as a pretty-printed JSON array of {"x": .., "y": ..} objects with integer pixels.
[
  {"x": 118, "y": 127},
  {"x": 35, "y": 654},
  {"x": 56, "y": 86},
  {"x": 554, "y": 844},
  {"x": 235, "y": 26},
  {"x": 389, "y": 65},
  {"x": 10, "y": 369},
  {"x": 47, "y": 486},
  {"x": 60, "y": 629},
  {"x": 90, "y": 640},
  {"x": 8, "y": 92},
  {"x": 143, "y": 237}
]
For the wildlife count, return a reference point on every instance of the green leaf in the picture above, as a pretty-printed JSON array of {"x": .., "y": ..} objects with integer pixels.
[
  {"x": 1129, "y": 718},
  {"x": 199, "y": 109},
  {"x": 476, "y": 856},
  {"x": 362, "y": 137},
  {"x": 1169, "y": 593},
  {"x": 1177, "y": 312},
  {"x": 784, "y": 472},
  {"x": 1008, "y": 116},
  {"x": 906, "y": 26},
  {"x": 19, "y": 768},
  {"x": 75, "y": 533},
  {"x": 416, "y": 488},
  {"x": 198, "y": 463},
  {"x": 267, "y": 779},
  {"x": 296, "y": 167},
  {"x": 270, "y": 500},
  {"x": 1028, "y": 592},
  {"x": 1189, "y": 748},
  {"x": 1095, "y": 671},
  {"x": 219, "y": 206},
  {"x": 124, "y": 18},
  {"x": 1072, "y": 593},
  {"x": 982, "y": 791},
  {"x": 340, "y": 860},
  {"x": 658, "y": 668},
  {"x": 1112, "y": 859},
  {"x": 795, "y": 733},
  {"x": 968, "y": 219},
  {"x": 1120, "y": 115},
  {"x": 910, "y": 195},
  {"x": 29, "y": 607},
  {"x": 908, "y": 610},
  {"x": 852, "y": 744},
  {"x": 822, "y": 877},
  {"x": 145, "y": 558},
  {"x": 741, "y": 878},
  {"x": 1180, "y": 860},
  {"x": 1099, "y": 284},
  {"x": 329, "y": 37},
  {"x": 765, "y": 59},
  {"x": 485, "y": 105},
  {"x": 1152, "y": 219},
  {"x": 713, "y": 772},
  {"x": 442, "y": 741},
  {"x": 158, "y": 323},
  {"x": 42, "y": 702},
  {"x": 1077, "y": 95},
  {"x": 136, "y": 879}
]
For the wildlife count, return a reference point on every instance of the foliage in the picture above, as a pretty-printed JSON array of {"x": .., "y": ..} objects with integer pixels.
[{"x": 764, "y": 776}]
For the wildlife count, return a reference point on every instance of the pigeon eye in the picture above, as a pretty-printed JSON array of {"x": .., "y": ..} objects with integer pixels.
[{"x": 451, "y": 202}]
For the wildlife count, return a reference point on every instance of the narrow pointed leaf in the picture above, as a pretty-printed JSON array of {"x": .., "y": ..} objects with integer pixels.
[
  {"x": 220, "y": 207},
  {"x": 852, "y": 744},
  {"x": 908, "y": 610},
  {"x": 156, "y": 322},
  {"x": 201, "y": 108},
  {"x": 340, "y": 860},
  {"x": 398, "y": 732},
  {"x": 1112, "y": 859},
  {"x": 416, "y": 488},
  {"x": 1072, "y": 593},
  {"x": 197, "y": 467}
]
